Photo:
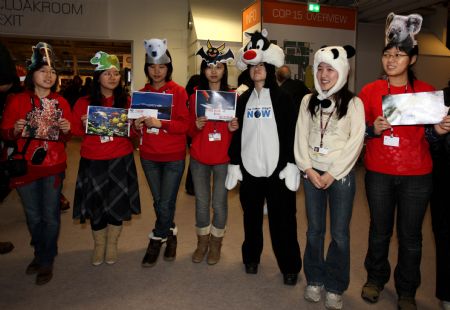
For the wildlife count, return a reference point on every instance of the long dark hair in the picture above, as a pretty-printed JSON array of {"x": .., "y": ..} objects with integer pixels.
[
  {"x": 342, "y": 99},
  {"x": 204, "y": 83},
  {"x": 169, "y": 69},
  {"x": 410, "y": 51},
  {"x": 29, "y": 83},
  {"x": 120, "y": 94}
]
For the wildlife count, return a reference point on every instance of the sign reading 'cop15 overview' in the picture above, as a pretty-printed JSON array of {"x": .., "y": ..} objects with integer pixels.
[{"x": 54, "y": 17}]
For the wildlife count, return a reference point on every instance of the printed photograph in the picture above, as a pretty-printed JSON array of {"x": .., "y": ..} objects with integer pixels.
[
  {"x": 105, "y": 121},
  {"x": 156, "y": 105},
  {"x": 216, "y": 105},
  {"x": 42, "y": 123},
  {"x": 415, "y": 108}
]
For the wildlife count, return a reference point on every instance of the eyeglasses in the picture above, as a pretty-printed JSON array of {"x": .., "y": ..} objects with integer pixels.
[{"x": 394, "y": 56}]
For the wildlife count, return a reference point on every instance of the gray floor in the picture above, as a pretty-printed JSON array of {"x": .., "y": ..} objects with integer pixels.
[{"x": 180, "y": 284}]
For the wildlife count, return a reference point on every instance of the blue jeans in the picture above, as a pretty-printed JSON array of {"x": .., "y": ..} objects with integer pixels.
[
  {"x": 164, "y": 180},
  {"x": 410, "y": 196},
  {"x": 334, "y": 271},
  {"x": 40, "y": 200},
  {"x": 201, "y": 175}
]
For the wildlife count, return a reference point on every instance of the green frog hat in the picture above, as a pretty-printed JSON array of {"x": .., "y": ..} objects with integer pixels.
[{"x": 105, "y": 61}]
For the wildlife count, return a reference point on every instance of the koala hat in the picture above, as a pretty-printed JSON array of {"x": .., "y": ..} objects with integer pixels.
[
  {"x": 401, "y": 30},
  {"x": 105, "y": 61},
  {"x": 42, "y": 55},
  {"x": 337, "y": 57},
  {"x": 156, "y": 52}
]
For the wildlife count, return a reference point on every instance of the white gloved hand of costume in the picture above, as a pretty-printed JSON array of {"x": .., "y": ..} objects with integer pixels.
[
  {"x": 233, "y": 175},
  {"x": 291, "y": 176}
]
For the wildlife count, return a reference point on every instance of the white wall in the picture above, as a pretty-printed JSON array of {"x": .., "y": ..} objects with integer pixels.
[
  {"x": 138, "y": 20},
  {"x": 434, "y": 70}
]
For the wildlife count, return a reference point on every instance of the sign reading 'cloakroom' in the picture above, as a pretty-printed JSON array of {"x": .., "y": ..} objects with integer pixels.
[{"x": 54, "y": 17}]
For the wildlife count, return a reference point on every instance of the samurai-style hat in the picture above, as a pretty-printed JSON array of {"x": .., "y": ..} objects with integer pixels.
[
  {"x": 401, "y": 30},
  {"x": 156, "y": 52},
  {"x": 259, "y": 49},
  {"x": 337, "y": 57},
  {"x": 42, "y": 55},
  {"x": 213, "y": 55},
  {"x": 105, "y": 61}
]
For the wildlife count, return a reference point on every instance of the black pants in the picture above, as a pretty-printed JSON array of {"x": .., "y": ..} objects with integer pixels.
[
  {"x": 440, "y": 214},
  {"x": 281, "y": 205}
]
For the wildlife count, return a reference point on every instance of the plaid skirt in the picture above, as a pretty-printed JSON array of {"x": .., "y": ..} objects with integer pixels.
[{"x": 106, "y": 187}]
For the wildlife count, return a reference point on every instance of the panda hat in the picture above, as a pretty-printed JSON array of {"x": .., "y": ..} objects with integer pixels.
[
  {"x": 156, "y": 52},
  {"x": 259, "y": 49},
  {"x": 337, "y": 57},
  {"x": 42, "y": 55}
]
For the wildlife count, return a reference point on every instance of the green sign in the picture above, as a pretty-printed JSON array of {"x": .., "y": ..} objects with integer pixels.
[{"x": 314, "y": 7}]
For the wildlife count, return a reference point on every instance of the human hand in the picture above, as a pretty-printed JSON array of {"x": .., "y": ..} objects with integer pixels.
[
  {"x": 380, "y": 124},
  {"x": 233, "y": 125},
  {"x": 444, "y": 126},
  {"x": 152, "y": 122},
  {"x": 139, "y": 123},
  {"x": 314, "y": 178},
  {"x": 326, "y": 179},
  {"x": 84, "y": 120},
  {"x": 200, "y": 122},
  {"x": 64, "y": 125},
  {"x": 18, "y": 126}
]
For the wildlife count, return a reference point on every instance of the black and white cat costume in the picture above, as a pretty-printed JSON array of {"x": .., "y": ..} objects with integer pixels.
[{"x": 262, "y": 158}]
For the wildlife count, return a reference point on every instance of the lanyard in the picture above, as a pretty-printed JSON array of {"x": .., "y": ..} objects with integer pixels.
[{"x": 324, "y": 128}]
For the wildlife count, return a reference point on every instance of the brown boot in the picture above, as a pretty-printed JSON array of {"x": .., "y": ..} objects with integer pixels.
[
  {"x": 111, "y": 243},
  {"x": 202, "y": 248},
  {"x": 98, "y": 256},
  {"x": 215, "y": 244}
]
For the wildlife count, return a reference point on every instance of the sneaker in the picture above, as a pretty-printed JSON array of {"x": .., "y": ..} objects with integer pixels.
[
  {"x": 371, "y": 292},
  {"x": 333, "y": 301},
  {"x": 406, "y": 303},
  {"x": 445, "y": 305},
  {"x": 313, "y": 293}
]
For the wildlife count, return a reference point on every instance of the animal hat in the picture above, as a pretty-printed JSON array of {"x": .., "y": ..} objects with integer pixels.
[
  {"x": 337, "y": 57},
  {"x": 401, "y": 30},
  {"x": 105, "y": 61},
  {"x": 259, "y": 49},
  {"x": 156, "y": 52},
  {"x": 213, "y": 55},
  {"x": 42, "y": 55}
]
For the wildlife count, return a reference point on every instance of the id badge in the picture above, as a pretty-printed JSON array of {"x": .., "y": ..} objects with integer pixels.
[
  {"x": 391, "y": 141},
  {"x": 321, "y": 150},
  {"x": 214, "y": 136},
  {"x": 105, "y": 139},
  {"x": 153, "y": 131}
]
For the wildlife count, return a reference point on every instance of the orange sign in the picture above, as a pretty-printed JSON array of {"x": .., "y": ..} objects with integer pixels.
[
  {"x": 251, "y": 15},
  {"x": 297, "y": 14}
]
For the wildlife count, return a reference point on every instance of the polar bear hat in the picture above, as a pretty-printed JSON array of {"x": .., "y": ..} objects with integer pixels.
[
  {"x": 337, "y": 57},
  {"x": 400, "y": 30},
  {"x": 156, "y": 52}
]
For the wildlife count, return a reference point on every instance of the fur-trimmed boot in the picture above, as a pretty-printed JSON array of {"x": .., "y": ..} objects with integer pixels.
[
  {"x": 202, "y": 244},
  {"x": 171, "y": 245},
  {"x": 152, "y": 253},
  {"x": 111, "y": 243},
  {"x": 98, "y": 256},
  {"x": 215, "y": 245}
]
